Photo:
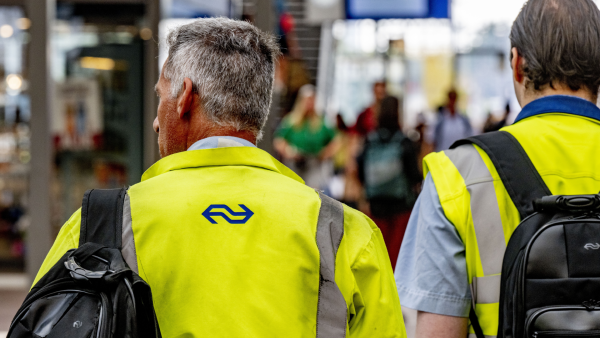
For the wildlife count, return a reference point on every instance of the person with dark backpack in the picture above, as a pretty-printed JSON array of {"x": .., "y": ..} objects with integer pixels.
[
  {"x": 389, "y": 173},
  {"x": 503, "y": 240},
  {"x": 91, "y": 291},
  {"x": 231, "y": 242}
]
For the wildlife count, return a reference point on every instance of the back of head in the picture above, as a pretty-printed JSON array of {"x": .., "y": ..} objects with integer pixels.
[
  {"x": 560, "y": 42},
  {"x": 231, "y": 64}
]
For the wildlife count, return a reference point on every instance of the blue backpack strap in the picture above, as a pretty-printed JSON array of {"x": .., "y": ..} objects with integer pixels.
[
  {"x": 522, "y": 181},
  {"x": 102, "y": 217}
]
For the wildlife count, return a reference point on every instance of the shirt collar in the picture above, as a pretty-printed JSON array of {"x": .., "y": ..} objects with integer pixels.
[
  {"x": 223, "y": 156},
  {"x": 560, "y": 104},
  {"x": 220, "y": 142}
]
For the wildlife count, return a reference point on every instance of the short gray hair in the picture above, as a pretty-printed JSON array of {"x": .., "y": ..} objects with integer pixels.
[{"x": 231, "y": 64}]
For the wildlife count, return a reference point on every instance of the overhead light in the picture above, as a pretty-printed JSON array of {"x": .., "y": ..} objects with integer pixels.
[
  {"x": 6, "y": 31},
  {"x": 14, "y": 81},
  {"x": 97, "y": 63},
  {"x": 23, "y": 23}
]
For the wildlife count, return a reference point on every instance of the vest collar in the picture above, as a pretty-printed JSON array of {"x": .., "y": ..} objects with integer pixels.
[
  {"x": 560, "y": 104},
  {"x": 229, "y": 156}
]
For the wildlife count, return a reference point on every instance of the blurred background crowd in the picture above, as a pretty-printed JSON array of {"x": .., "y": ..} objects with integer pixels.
[{"x": 364, "y": 90}]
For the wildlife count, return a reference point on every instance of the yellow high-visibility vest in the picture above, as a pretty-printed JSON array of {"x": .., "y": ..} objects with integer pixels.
[
  {"x": 233, "y": 244},
  {"x": 564, "y": 148}
]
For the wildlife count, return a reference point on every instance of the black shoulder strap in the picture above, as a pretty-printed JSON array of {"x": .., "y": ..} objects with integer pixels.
[
  {"x": 522, "y": 181},
  {"x": 102, "y": 217},
  {"x": 475, "y": 324}
]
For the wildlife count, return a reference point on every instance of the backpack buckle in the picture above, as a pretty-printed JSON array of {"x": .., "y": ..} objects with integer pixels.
[
  {"x": 591, "y": 304},
  {"x": 81, "y": 274},
  {"x": 569, "y": 203}
]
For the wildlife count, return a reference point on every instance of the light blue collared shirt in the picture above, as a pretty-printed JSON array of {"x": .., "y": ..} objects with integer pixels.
[{"x": 220, "y": 142}]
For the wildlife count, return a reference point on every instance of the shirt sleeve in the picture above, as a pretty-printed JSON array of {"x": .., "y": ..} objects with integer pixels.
[
  {"x": 431, "y": 272},
  {"x": 375, "y": 309}
]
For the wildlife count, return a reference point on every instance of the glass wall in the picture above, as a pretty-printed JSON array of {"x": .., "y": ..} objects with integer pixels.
[
  {"x": 97, "y": 120},
  {"x": 14, "y": 137}
]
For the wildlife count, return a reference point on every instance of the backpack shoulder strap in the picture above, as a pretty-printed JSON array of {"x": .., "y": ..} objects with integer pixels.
[
  {"x": 102, "y": 217},
  {"x": 522, "y": 181}
]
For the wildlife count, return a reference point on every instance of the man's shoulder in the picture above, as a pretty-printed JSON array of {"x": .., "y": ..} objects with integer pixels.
[
  {"x": 359, "y": 230},
  {"x": 454, "y": 169}
]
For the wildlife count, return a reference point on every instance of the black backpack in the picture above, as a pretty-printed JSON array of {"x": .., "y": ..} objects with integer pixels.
[
  {"x": 90, "y": 292},
  {"x": 550, "y": 284}
]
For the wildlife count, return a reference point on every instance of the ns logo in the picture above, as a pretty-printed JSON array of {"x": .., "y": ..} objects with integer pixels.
[
  {"x": 232, "y": 217},
  {"x": 592, "y": 246}
]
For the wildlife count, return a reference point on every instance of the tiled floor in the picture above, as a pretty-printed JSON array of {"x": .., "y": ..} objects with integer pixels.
[{"x": 13, "y": 289}]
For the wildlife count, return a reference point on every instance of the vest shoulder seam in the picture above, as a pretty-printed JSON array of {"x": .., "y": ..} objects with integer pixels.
[{"x": 364, "y": 248}]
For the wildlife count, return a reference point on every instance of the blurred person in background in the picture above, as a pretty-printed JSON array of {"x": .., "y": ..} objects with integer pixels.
[
  {"x": 493, "y": 124},
  {"x": 419, "y": 135},
  {"x": 366, "y": 121},
  {"x": 451, "y": 125},
  {"x": 344, "y": 186},
  {"x": 304, "y": 141},
  {"x": 388, "y": 170}
]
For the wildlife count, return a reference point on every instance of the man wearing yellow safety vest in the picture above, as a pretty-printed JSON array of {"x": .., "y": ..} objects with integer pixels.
[
  {"x": 464, "y": 217},
  {"x": 232, "y": 243}
]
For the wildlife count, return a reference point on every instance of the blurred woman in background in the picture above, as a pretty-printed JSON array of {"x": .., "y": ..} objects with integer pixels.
[{"x": 304, "y": 141}]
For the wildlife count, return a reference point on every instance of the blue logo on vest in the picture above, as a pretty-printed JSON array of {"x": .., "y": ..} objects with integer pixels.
[{"x": 209, "y": 214}]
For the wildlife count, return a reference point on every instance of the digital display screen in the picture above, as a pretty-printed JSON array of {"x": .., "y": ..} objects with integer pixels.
[
  {"x": 397, "y": 9},
  {"x": 199, "y": 8}
]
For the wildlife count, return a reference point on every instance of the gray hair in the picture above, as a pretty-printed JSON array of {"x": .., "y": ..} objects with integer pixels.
[{"x": 231, "y": 64}]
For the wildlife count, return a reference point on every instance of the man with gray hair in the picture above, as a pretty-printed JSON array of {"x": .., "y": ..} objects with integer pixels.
[{"x": 232, "y": 243}]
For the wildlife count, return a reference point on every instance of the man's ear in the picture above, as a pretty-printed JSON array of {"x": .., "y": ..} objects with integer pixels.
[
  {"x": 185, "y": 99},
  {"x": 516, "y": 63}
]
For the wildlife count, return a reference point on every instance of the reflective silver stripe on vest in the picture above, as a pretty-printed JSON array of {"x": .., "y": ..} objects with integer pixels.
[
  {"x": 332, "y": 309},
  {"x": 486, "y": 290},
  {"x": 472, "y": 335},
  {"x": 484, "y": 206},
  {"x": 128, "y": 242}
]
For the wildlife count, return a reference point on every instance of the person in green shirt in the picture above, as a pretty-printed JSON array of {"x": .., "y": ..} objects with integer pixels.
[{"x": 305, "y": 142}]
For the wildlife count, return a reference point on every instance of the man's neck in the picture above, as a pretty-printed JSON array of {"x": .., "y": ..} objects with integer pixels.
[
  {"x": 201, "y": 127},
  {"x": 531, "y": 95}
]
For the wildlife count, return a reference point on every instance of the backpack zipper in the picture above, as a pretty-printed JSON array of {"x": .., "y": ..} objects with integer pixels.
[
  {"x": 102, "y": 322},
  {"x": 559, "y": 333},
  {"x": 41, "y": 291}
]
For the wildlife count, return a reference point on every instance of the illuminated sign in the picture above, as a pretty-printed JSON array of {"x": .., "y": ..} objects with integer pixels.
[{"x": 397, "y": 9}]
